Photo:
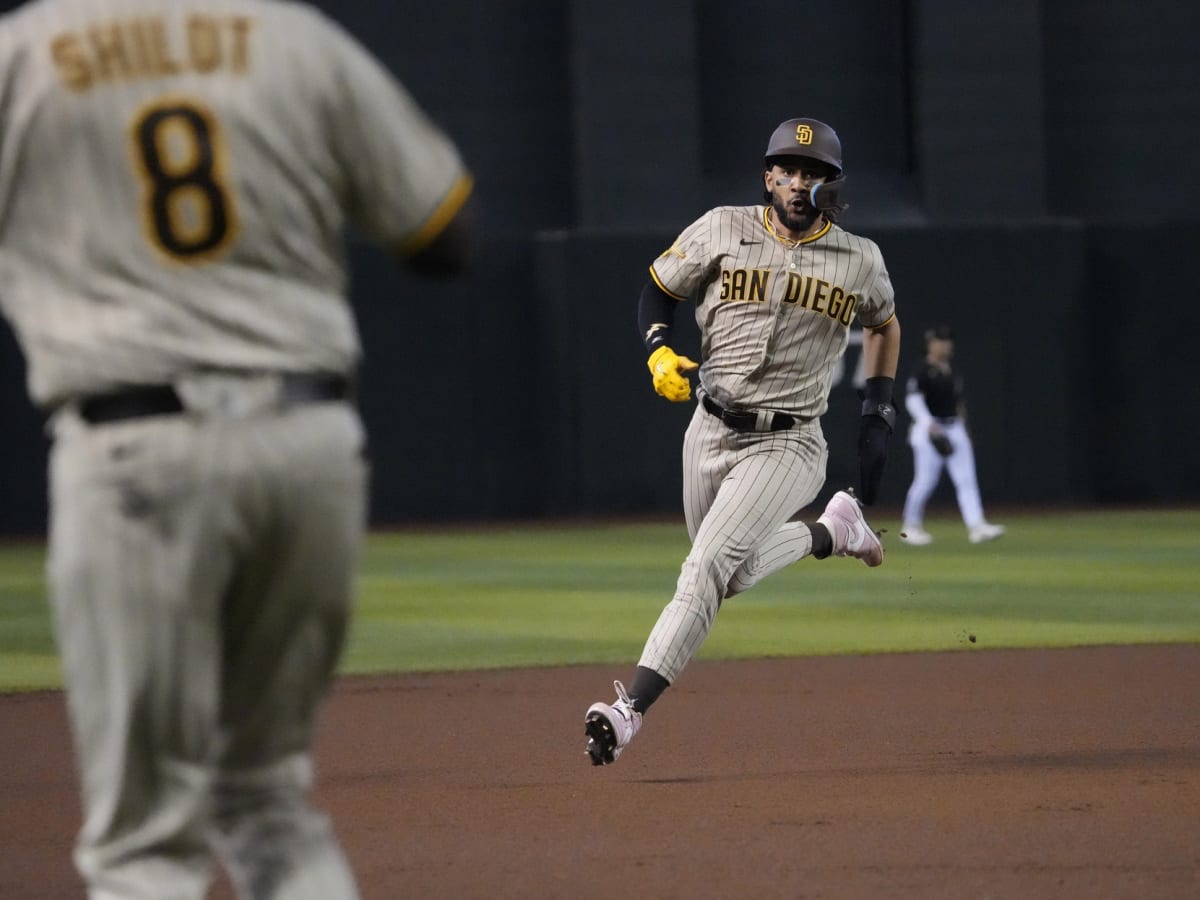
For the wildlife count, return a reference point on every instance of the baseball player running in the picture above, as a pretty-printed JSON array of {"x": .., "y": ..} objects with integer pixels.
[
  {"x": 940, "y": 441},
  {"x": 776, "y": 288},
  {"x": 174, "y": 178}
]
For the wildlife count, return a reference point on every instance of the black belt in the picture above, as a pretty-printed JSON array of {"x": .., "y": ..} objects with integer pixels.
[
  {"x": 163, "y": 400},
  {"x": 748, "y": 420}
]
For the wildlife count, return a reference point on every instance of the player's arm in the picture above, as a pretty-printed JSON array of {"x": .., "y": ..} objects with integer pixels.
[
  {"x": 656, "y": 315},
  {"x": 448, "y": 252},
  {"x": 405, "y": 182},
  {"x": 881, "y": 354},
  {"x": 924, "y": 424},
  {"x": 881, "y": 350},
  {"x": 960, "y": 405},
  {"x": 914, "y": 402}
]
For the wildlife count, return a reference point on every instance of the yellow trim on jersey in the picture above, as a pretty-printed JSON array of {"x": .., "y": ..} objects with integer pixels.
[
  {"x": 882, "y": 324},
  {"x": 783, "y": 240},
  {"x": 439, "y": 218},
  {"x": 663, "y": 287}
]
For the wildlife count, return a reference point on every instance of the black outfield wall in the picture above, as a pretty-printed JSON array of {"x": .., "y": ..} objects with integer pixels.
[
  {"x": 510, "y": 395},
  {"x": 1026, "y": 166}
]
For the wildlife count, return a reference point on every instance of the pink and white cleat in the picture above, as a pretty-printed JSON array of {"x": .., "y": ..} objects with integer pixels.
[
  {"x": 610, "y": 727},
  {"x": 852, "y": 536}
]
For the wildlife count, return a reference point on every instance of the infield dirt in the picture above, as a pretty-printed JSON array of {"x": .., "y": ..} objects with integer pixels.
[{"x": 975, "y": 774}]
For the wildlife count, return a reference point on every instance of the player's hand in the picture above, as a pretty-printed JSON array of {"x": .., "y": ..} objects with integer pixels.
[
  {"x": 873, "y": 434},
  {"x": 875, "y": 427},
  {"x": 669, "y": 371}
]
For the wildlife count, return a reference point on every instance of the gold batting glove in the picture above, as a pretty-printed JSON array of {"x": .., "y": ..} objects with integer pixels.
[{"x": 669, "y": 371}]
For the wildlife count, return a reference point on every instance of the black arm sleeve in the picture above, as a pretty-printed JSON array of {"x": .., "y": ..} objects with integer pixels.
[{"x": 656, "y": 315}]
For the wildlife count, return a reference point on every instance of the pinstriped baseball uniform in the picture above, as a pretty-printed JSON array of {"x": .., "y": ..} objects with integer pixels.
[
  {"x": 175, "y": 176},
  {"x": 774, "y": 318}
]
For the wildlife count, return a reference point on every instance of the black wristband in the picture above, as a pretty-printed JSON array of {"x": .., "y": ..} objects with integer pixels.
[
  {"x": 879, "y": 388},
  {"x": 657, "y": 336},
  {"x": 877, "y": 400}
]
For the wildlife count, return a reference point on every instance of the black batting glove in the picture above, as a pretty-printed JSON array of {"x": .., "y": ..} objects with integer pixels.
[{"x": 875, "y": 427}]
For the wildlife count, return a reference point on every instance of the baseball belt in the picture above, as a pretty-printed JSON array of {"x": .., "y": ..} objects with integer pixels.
[
  {"x": 162, "y": 399},
  {"x": 747, "y": 420}
]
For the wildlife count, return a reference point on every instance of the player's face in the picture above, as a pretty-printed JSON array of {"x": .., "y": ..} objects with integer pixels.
[
  {"x": 790, "y": 183},
  {"x": 941, "y": 351}
]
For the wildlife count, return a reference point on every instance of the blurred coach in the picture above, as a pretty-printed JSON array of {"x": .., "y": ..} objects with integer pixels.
[{"x": 174, "y": 181}]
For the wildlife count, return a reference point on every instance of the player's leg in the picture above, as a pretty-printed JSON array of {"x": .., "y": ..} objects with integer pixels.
[
  {"x": 706, "y": 461},
  {"x": 961, "y": 466},
  {"x": 762, "y": 489},
  {"x": 738, "y": 490},
  {"x": 611, "y": 726},
  {"x": 135, "y": 578},
  {"x": 792, "y": 542},
  {"x": 286, "y": 620},
  {"x": 927, "y": 469}
]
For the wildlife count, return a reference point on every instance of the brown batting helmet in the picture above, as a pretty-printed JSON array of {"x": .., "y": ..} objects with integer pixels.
[{"x": 808, "y": 138}]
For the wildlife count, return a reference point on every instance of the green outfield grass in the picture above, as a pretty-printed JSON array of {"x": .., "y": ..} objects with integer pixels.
[{"x": 439, "y": 599}]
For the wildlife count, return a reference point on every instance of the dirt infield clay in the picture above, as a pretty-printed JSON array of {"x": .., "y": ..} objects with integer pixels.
[{"x": 973, "y": 774}]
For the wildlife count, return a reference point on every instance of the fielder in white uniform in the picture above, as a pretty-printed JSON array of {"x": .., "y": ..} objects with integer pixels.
[
  {"x": 940, "y": 442},
  {"x": 776, "y": 288},
  {"x": 174, "y": 180}
]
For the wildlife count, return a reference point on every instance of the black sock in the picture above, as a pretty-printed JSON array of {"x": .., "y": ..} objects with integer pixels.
[
  {"x": 822, "y": 540},
  {"x": 648, "y": 685}
]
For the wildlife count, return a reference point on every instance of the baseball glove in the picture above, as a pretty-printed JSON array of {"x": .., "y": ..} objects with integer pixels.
[
  {"x": 941, "y": 444},
  {"x": 669, "y": 372}
]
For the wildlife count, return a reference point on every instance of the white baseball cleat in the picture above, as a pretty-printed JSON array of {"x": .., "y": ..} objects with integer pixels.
[
  {"x": 851, "y": 534},
  {"x": 915, "y": 535},
  {"x": 984, "y": 531},
  {"x": 610, "y": 728}
]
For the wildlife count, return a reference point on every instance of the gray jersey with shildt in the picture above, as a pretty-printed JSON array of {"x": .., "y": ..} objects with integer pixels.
[
  {"x": 242, "y": 194},
  {"x": 774, "y": 314}
]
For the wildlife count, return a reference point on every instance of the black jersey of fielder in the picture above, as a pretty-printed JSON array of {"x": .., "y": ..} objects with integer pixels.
[
  {"x": 774, "y": 315},
  {"x": 941, "y": 388}
]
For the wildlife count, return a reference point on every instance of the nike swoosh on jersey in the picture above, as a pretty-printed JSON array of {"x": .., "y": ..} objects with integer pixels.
[{"x": 745, "y": 242}]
